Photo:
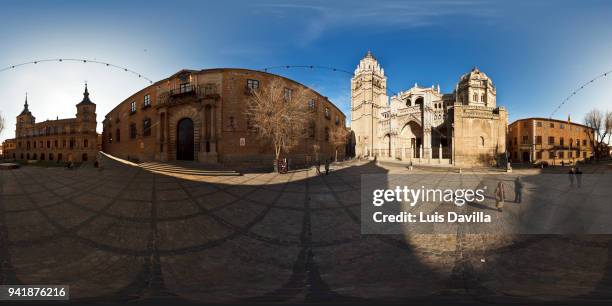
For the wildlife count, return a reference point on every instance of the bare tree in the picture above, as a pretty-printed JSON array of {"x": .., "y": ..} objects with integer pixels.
[
  {"x": 1, "y": 123},
  {"x": 338, "y": 137},
  {"x": 602, "y": 126},
  {"x": 279, "y": 115}
]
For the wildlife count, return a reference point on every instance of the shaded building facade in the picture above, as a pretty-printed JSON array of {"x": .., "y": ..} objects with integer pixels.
[
  {"x": 62, "y": 140},
  {"x": 201, "y": 115}
]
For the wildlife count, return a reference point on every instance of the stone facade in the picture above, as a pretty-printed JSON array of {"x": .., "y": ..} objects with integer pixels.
[
  {"x": 61, "y": 140},
  {"x": 424, "y": 125},
  {"x": 211, "y": 107},
  {"x": 535, "y": 140}
]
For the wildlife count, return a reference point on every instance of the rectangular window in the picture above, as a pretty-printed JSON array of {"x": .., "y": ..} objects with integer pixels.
[
  {"x": 551, "y": 140},
  {"x": 539, "y": 124},
  {"x": 571, "y": 154},
  {"x": 552, "y": 125},
  {"x": 583, "y": 154},
  {"x": 311, "y": 104},
  {"x": 132, "y": 130},
  {"x": 539, "y": 140},
  {"x": 551, "y": 154},
  {"x": 561, "y": 126},
  {"x": 312, "y": 129},
  {"x": 337, "y": 120},
  {"x": 252, "y": 84},
  {"x": 118, "y": 135},
  {"x": 147, "y": 101},
  {"x": 539, "y": 155},
  {"x": 184, "y": 87},
  {"x": 561, "y": 154},
  {"x": 327, "y": 115},
  {"x": 584, "y": 142},
  {"x": 288, "y": 93},
  {"x": 146, "y": 127},
  {"x": 525, "y": 140},
  {"x": 561, "y": 142},
  {"x": 133, "y": 107}
]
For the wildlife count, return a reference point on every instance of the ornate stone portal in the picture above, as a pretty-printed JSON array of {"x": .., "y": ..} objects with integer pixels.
[{"x": 424, "y": 125}]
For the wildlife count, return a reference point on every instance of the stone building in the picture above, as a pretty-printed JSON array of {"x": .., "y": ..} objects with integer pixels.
[
  {"x": 424, "y": 125},
  {"x": 535, "y": 140},
  {"x": 73, "y": 139},
  {"x": 201, "y": 115}
]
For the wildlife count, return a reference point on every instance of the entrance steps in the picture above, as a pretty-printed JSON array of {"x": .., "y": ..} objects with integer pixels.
[{"x": 187, "y": 168}]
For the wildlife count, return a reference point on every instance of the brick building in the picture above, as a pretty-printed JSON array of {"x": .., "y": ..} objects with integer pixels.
[
  {"x": 72, "y": 139},
  {"x": 201, "y": 115},
  {"x": 535, "y": 140}
]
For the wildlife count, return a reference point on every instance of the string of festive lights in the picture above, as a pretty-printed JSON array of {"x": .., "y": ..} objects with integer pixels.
[
  {"x": 84, "y": 61},
  {"x": 603, "y": 75},
  {"x": 319, "y": 67}
]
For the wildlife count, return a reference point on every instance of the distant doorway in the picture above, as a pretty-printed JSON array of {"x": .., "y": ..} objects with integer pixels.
[
  {"x": 184, "y": 140},
  {"x": 525, "y": 156}
]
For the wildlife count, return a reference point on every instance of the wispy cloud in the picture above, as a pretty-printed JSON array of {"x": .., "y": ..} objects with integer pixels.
[{"x": 321, "y": 16}]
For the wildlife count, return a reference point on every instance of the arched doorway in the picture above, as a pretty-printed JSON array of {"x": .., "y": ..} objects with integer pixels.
[
  {"x": 410, "y": 139},
  {"x": 386, "y": 149},
  {"x": 184, "y": 139}
]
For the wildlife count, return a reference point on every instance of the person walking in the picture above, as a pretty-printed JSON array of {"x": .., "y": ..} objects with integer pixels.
[
  {"x": 518, "y": 190},
  {"x": 326, "y": 166},
  {"x": 572, "y": 176},
  {"x": 500, "y": 196},
  {"x": 578, "y": 174},
  {"x": 318, "y": 167}
]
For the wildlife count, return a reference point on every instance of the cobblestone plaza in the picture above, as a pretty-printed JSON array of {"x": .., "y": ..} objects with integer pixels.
[{"x": 126, "y": 233}]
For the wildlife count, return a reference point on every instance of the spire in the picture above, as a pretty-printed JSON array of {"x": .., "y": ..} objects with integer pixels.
[
  {"x": 369, "y": 54},
  {"x": 26, "y": 110},
  {"x": 85, "y": 97}
]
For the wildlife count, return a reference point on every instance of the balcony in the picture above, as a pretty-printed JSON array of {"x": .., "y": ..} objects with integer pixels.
[
  {"x": 188, "y": 93},
  {"x": 183, "y": 90}
]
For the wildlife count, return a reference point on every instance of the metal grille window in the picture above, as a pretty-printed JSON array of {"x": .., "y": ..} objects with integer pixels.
[{"x": 288, "y": 93}]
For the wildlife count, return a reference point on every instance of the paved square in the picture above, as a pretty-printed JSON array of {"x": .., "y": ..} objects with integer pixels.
[{"x": 127, "y": 233}]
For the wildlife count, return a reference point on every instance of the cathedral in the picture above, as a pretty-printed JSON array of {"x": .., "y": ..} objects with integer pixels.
[{"x": 422, "y": 125}]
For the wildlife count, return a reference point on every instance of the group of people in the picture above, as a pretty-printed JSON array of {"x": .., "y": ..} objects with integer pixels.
[
  {"x": 575, "y": 174},
  {"x": 283, "y": 166}
]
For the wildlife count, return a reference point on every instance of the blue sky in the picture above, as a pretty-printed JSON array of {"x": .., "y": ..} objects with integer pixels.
[{"x": 537, "y": 52}]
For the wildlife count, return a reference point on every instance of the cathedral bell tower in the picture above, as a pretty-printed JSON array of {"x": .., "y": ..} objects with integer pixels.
[{"x": 368, "y": 96}]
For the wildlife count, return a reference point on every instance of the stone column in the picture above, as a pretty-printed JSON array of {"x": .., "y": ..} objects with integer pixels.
[{"x": 427, "y": 142}]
